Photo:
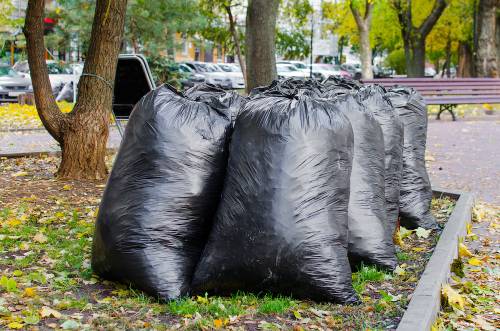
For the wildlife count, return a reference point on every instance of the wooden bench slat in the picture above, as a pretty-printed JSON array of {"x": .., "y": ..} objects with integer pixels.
[{"x": 459, "y": 100}]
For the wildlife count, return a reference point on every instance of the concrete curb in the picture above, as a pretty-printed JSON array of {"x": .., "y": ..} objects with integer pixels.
[{"x": 425, "y": 302}]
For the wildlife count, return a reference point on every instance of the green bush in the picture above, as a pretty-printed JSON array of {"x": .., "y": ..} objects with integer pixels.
[{"x": 396, "y": 60}]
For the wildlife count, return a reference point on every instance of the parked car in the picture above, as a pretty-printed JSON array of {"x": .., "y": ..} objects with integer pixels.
[
  {"x": 234, "y": 72},
  {"x": 213, "y": 74},
  {"x": 353, "y": 68},
  {"x": 297, "y": 64},
  {"x": 12, "y": 84},
  {"x": 59, "y": 73},
  {"x": 323, "y": 71},
  {"x": 192, "y": 78},
  {"x": 290, "y": 71}
]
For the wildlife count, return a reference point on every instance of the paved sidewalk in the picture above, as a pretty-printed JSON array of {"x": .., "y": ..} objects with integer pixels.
[
  {"x": 39, "y": 141},
  {"x": 465, "y": 155}
]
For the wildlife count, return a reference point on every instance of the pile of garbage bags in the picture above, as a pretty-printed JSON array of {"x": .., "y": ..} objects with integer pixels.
[{"x": 283, "y": 191}]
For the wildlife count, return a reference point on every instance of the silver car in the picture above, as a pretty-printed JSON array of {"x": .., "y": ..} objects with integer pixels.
[{"x": 12, "y": 84}]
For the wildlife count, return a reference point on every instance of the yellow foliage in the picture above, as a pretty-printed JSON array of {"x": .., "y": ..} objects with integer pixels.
[
  {"x": 452, "y": 297},
  {"x": 13, "y": 115},
  {"x": 463, "y": 251}
]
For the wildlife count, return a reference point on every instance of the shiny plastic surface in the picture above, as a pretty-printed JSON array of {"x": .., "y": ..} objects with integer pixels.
[
  {"x": 416, "y": 191},
  {"x": 162, "y": 193},
  {"x": 374, "y": 99},
  {"x": 370, "y": 241},
  {"x": 281, "y": 226}
]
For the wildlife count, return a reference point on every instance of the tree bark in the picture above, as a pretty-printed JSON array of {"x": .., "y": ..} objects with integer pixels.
[
  {"x": 465, "y": 60},
  {"x": 363, "y": 23},
  {"x": 260, "y": 42},
  {"x": 83, "y": 133},
  {"x": 236, "y": 39},
  {"x": 414, "y": 37},
  {"x": 486, "y": 53}
]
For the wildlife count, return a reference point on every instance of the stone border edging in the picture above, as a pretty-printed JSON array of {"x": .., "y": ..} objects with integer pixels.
[
  {"x": 42, "y": 153},
  {"x": 425, "y": 302}
]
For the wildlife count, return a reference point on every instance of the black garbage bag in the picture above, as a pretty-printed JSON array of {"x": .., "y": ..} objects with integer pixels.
[
  {"x": 290, "y": 86},
  {"x": 162, "y": 193},
  {"x": 369, "y": 240},
  {"x": 374, "y": 99},
  {"x": 416, "y": 191},
  {"x": 205, "y": 92},
  {"x": 335, "y": 85},
  {"x": 281, "y": 226}
]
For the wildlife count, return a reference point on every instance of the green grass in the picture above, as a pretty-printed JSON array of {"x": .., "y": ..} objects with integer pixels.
[
  {"x": 367, "y": 274},
  {"x": 275, "y": 305},
  {"x": 402, "y": 256}
]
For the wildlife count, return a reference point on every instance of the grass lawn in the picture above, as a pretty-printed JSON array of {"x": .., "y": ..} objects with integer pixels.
[{"x": 46, "y": 281}]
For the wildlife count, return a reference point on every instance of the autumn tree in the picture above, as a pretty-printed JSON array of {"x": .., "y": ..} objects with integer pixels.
[
  {"x": 260, "y": 42},
  {"x": 214, "y": 9},
  {"x": 82, "y": 133},
  {"x": 293, "y": 32},
  {"x": 363, "y": 22},
  {"x": 486, "y": 53},
  {"x": 454, "y": 28},
  {"x": 414, "y": 36}
]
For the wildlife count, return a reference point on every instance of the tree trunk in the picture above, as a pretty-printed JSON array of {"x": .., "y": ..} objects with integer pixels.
[
  {"x": 83, "y": 133},
  {"x": 486, "y": 57},
  {"x": 414, "y": 37},
  {"x": 363, "y": 23},
  {"x": 465, "y": 60},
  {"x": 260, "y": 42},
  {"x": 366, "y": 54},
  {"x": 236, "y": 39},
  {"x": 417, "y": 58}
]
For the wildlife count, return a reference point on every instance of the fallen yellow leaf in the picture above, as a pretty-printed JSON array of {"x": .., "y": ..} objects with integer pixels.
[
  {"x": 475, "y": 262},
  {"x": 452, "y": 297},
  {"x": 15, "y": 325},
  {"x": 29, "y": 292},
  {"x": 67, "y": 187},
  {"x": 400, "y": 271},
  {"x": 218, "y": 323},
  {"x": 463, "y": 251},
  {"x": 48, "y": 312}
]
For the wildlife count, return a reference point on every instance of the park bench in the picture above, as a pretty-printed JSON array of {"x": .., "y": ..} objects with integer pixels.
[{"x": 448, "y": 93}]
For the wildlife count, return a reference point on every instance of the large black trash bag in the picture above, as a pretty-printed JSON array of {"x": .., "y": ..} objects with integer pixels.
[
  {"x": 207, "y": 92},
  {"x": 281, "y": 226},
  {"x": 162, "y": 193},
  {"x": 289, "y": 86},
  {"x": 369, "y": 240},
  {"x": 374, "y": 99},
  {"x": 335, "y": 85},
  {"x": 416, "y": 191}
]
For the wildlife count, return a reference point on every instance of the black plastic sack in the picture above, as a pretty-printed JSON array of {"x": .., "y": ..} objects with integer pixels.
[
  {"x": 416, "y": 192},
  {"x": 162, "y": 193},
  {"x": 207, "y": 93},
  {"x": 333, "y": 86},
  {"x": 369, "y": 240},
  {"x": 281, "y": 226},
  {"x": 374, "y": 99},
  {"x": 290, "y": 86}
]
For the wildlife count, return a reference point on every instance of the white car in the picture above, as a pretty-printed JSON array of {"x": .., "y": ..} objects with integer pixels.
[
  {"x": 290, "y": 71},
  {"x": 213, "y": 74},
  {"x": 233, "y": 71},
  {"x": 323, "y": 71},
  {"x": 297, "y": 64},
  {"x": 59, "y": 74}
]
